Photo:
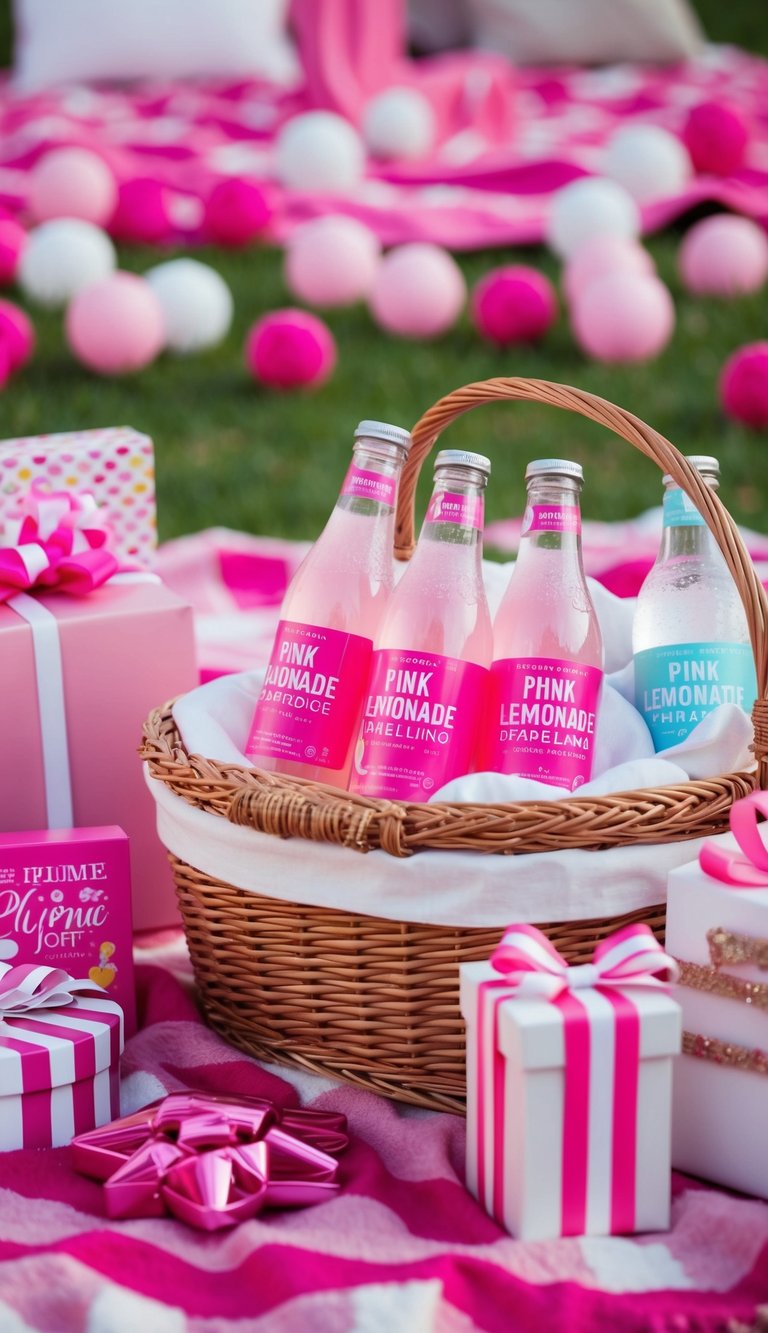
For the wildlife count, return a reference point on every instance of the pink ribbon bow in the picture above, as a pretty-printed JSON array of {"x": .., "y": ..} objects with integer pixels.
[
  {"x": 750, "y": 870},
  {"x": 57, "y": 540},
  {"x": 213, "y": 1161},
  {"x": 630, "y": 957},
  {"x": 28, "y": 986}
]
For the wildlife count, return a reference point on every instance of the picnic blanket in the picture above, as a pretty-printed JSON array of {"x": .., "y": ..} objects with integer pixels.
[
  {"x": 507, "y": 139},
  {"x": 403, "y": 1245}
]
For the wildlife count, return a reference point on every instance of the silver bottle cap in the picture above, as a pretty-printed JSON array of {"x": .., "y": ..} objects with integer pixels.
[
  {"x": 556, "y": 467},
  {"x": 704, "y": 463},
  {"x": 384, "y": 430},
  {"x": 460, "y": 458}
]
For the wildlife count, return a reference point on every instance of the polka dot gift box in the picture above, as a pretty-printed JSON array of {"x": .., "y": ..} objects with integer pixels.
[{"x": 115, "y": 464}]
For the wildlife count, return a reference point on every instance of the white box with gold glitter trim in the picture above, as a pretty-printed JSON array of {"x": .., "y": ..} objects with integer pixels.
[{"x": 720, "y": 1102}]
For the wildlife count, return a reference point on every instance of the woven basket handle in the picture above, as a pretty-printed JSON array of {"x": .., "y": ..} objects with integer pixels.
[{"x": 650, "y": 443}]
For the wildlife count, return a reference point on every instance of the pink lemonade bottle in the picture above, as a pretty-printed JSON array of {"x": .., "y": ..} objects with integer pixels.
[
  {"x": 547, "y": 647},
  {"x": 308, "y": 713},
  {"x": 426, "y": 698}
]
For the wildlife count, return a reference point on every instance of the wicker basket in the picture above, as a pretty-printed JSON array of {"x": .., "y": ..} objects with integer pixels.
[{"x": 372, "y": 1000}]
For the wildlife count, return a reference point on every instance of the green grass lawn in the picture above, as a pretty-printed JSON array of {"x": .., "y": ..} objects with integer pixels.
[{"x": 229, "y": 452}]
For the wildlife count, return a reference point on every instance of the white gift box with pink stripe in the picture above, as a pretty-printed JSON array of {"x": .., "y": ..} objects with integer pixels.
[
  {"x": 569, "y": 1100},
  {"x": 59, "y": 1072}
]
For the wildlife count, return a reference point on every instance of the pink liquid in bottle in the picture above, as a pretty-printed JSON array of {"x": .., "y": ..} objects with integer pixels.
[
  {"x": 429, "y": 675},
  {"x": 308, "y": 713},
  {"x": 547, "y": 647}
]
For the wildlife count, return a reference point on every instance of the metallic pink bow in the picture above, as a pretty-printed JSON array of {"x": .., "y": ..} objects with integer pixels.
[
  {"x": 57, "y": 540},
  {"x": 212, "y": 1161},
  {"x": 28, "y": 986},
  {"x": 630, "y": 957},
  {"x": 749, "y": 871}
]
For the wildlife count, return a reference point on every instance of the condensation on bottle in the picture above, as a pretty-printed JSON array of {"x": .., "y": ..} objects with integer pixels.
[
  {"x": 690, "y": 638},
  {"x": 426, "y": 697},
  {"x": 308, "y": 713}
]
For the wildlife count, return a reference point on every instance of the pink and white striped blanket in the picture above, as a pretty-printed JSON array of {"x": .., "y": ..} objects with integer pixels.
[{"x": 402, "y": 1246}]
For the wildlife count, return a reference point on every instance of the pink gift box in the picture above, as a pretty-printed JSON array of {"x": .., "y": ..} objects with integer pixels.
[
  {"x": 59, "y": 1072},
  {"x": 80, "y": 675},
  {"x": 65, "y": 901},
  {"x": 115, "y": 464}
]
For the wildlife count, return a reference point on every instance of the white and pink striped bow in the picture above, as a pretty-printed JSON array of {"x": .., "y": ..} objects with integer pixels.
[
  {"x": 29, "y": 986},
  {"x": 630, "y": 957},
  {"x": 57, "y": 540}
]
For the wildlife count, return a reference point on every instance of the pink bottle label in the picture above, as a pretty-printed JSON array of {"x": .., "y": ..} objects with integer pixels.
[
  {"x": 543, "y": 715},
  {"x": 310, "y": 702},
  {"x": 551, "y": 518},
  {"x": 450, "y": 507},
  {"x": 420, "y": 724},
  {"x": 370, "y": 486}
]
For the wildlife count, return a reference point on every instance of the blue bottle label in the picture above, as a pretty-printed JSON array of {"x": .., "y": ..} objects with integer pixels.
[
  {"x": 680, "y": 511},
  {"x": 678, "y": 684}
]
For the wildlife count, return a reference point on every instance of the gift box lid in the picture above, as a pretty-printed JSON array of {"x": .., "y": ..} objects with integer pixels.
[
  {"x": 698, "y": 903},
  {"x": 49, "y": 1047},
  {"x": 532, "y": 1031}
]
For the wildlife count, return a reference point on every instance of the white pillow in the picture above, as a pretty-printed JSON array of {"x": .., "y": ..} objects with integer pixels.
[
  {"x": 76, "y": 41},
  {"x": 588, "y": 32}
]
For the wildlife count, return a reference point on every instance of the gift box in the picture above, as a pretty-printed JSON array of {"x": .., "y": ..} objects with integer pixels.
[
  {"x": 115, "y": 465},
  {"x": 717, "y": 929},
  {"x": 569, "y": 1073},
  {"x": 65, "y": 901},
  {"x": 80, "y": 675},
  {"x": 59, "y": 1057}
]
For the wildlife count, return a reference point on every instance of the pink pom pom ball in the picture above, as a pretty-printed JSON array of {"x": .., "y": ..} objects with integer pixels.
[
  {"x": 5, "y": 364},
  {"x": 716, "y": 136},
  {"x": 13, "y": 238},
  {"x": 331, "y": 261},
  {"x": 418, "y": 292},
  {"x": 602, "y": 255},
  {"x": 237, "y": 212},
  {"x": 516, "y": 304},
  {"x": 17, "y": 335},
  {"x": 72, "y": 183},
  {"x": 290, "y": 349},
  {"x": 142, "y": 212},
  {"x": 116, "y": 325},
  {"x": 744, "y": 385},
  {"x": 724, "y": 256},
  {"x": 623, "y": 317}
]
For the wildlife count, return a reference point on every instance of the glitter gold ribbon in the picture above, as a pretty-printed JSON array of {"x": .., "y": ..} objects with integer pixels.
[
  {"x": 711, "y": 981},
  {"x": 749, "y": 1058},
  {"x": 726, "y": 946}
]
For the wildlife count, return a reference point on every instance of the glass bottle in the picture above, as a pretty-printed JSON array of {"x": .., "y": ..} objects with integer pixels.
[
  {"x": 426, "y": 698},
  {"x": 547, "y": 647},
  {"x": 689, "y": 636},
  {"x": 308, "y": 713}
]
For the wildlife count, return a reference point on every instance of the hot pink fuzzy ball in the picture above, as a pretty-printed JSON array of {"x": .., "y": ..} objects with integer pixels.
[
  {"x": 237, "y": 212},
  {"x": 602, "y": 255},
  {"x": 142, "y": 212},
  {"x": 418, "y": 291},
  {"x": 72, "y": 183},
  {"x": 515, "y": 304},
  {"x": 17, "y": 334},
  {"x": 716, "y": 136},
  {"x": 744, "y": 385},
  {"x": 724, "y": 256},
  {"x": 290, "y": 349},
  {"x": 623, "y": 317},
  {"x": 115, "y": 325},
  {"x": 13, "y": 238}
]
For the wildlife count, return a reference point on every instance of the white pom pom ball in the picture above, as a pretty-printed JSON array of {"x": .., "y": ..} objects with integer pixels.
[
  {"x": 331, "y": 261},
  {"x": 399, "y": 123},
  {"x": 319, "y": 152},
  {"x": 196, "y": 303},
  {"x": 72, "y": 183},
  {"x": 61, "y": 258},
  {"x": 648, "y": 161},
  {"x": 418, "y": 292},
  {"x": 587, "y": 208}
]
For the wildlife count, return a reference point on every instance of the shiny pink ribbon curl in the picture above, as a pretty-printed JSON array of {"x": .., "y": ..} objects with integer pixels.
[
  {"x": 213, "y": 1161},
  {"x": 58, "y": 540},
  {"x": 27, "y": 987},
  {"x": 750, "y": 869}
]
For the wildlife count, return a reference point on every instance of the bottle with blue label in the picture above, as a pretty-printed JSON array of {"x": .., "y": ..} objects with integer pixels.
[{"x": 690, "y": 639}]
